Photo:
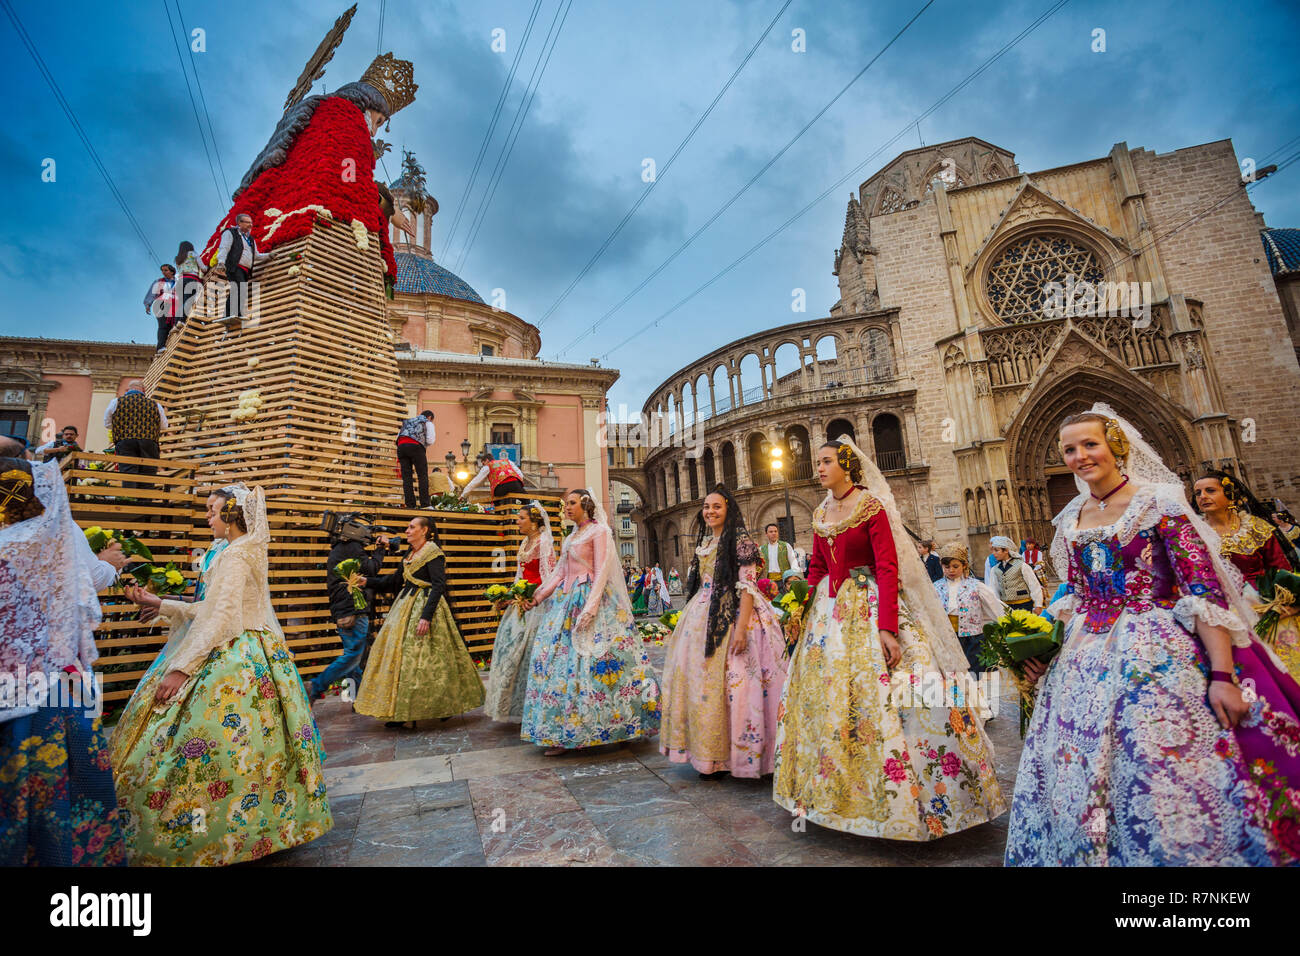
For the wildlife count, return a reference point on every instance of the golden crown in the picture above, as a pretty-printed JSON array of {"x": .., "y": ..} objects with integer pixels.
[{"x": 394, "y": 79}]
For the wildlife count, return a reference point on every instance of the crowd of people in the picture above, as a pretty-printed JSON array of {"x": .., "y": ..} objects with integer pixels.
[{"x": 1164, "y": 731}]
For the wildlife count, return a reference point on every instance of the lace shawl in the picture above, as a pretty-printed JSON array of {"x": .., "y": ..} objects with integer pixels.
[
  {"x": 236, "y": 601},
  {"x": 49, "y": 607}
]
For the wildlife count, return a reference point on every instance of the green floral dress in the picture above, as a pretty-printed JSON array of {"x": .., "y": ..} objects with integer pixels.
[{"x": 230, "y": 769}]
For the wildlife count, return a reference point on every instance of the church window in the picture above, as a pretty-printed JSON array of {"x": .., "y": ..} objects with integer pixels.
[
  {"x": 1017, "y": 281},
  {"x": 891, "y": 201}
]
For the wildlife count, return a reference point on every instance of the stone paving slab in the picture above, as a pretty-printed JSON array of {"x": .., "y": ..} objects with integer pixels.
[{"x": 469, "y": 792}]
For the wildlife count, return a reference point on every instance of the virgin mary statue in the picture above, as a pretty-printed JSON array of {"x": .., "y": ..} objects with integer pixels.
[{"x": 320, "y": 161}]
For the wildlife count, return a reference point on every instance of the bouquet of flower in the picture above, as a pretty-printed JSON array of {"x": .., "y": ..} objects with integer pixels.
[
  {"x": 654, "y": 631},
  {"x": 522, "y": 592},
  {"x": 669, "y": 618},
  {"x": 497, "y": 595},
  {"x": 160, "y": 581},
  {"x": 791, "y": 607},
  {"x": 1280, "y": 591},
  {"x": 1013, "y": 639},
  {"x": 349, "y": 569},
  {"x": 100, "y": 538},
  {"x": 766, "y": 587}
]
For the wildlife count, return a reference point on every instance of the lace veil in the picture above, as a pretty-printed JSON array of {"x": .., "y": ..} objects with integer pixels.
[
  {"x": 545, "y": 546},
  {"x": 1145, "y": 469},
  {"x": 49, "y": 607},
  {"x": 913, "y": 580},
  {"x": 607, "y": 581}
]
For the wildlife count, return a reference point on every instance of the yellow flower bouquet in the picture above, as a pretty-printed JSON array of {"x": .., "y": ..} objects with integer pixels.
[
  {"x": 160, "y": 580},
  {"x": 1013, "y": 639}
]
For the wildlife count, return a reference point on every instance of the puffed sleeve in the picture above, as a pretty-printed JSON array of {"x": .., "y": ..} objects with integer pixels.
[
  {"x": 817, "y": 564},
  {"x": 1198, "y": 582},
  {"x": 600, "y": 554},
  {"x": 218, "y": 617},
  {"x": 103, "y": 574},
  {"x": 435, "y": 572},
  {"x": 176, "y": 611},
  {"x": 886, "y": 568},
  {"x": 1271, "y": 554}
]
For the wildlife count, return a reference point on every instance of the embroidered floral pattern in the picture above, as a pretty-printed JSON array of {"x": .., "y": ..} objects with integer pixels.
[{"x": 1124, "y": 762}]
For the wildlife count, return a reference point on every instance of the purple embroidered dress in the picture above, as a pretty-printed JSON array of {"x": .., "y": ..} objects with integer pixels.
[{"x": 1125, "y": 762}]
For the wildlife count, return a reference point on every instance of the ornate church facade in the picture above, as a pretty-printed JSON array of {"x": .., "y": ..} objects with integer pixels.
[
  {"x": 1136, "y": 278},
  {"x": 978, "y": 307}
]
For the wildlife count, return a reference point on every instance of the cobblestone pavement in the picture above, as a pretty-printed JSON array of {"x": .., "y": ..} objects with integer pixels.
[{"x": 468, "y": 792}]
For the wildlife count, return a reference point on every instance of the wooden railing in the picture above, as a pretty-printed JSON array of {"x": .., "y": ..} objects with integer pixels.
[{"x": 168, "y": 516}]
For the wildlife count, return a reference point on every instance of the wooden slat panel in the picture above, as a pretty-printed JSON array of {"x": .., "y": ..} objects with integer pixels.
[{"x": 174, "y": 528}]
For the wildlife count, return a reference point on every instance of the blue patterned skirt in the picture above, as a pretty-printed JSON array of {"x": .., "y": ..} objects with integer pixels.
[
  {"x": 57, "y": 805},
  {"x": 575, "y": 701}
]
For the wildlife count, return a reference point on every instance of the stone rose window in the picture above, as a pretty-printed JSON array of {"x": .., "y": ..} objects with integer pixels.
[{"x": 1017, "y": 280}]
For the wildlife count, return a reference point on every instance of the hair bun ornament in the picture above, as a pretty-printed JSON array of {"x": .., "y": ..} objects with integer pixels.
[
  {"x": 847, "y": 460},
  {"x": 1116, "y": 440}
]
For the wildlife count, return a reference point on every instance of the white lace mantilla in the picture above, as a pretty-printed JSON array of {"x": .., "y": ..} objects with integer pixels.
[{"x": 49, "y": 608}]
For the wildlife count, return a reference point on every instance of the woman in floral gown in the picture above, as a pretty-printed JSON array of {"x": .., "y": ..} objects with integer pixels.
[
  {"x": 57, "y": 805},
  {"x": 204, "y": 566},
  {"x": 507, "y": 676},
  {"x": 725, "y": 665},
  {"x": 855, "y": 751},
  {"x": 1253, "y": 544},
  {"x": 1142, "y": 749},
  {"x": 217, "y": 757},
  {"x": 589, "y": 681},
  {"x": 419, "y": 666}
]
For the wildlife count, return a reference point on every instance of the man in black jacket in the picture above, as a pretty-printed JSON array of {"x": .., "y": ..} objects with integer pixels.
[{"x": 353, "y": 622}]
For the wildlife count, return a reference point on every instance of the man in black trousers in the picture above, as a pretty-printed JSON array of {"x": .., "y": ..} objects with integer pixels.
[{"x": 415, "y": 437}]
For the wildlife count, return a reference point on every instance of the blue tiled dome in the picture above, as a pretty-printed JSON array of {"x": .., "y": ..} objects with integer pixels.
[
  {"x": 1282, "y": 246},
  {"x": 420, "y": 274}
]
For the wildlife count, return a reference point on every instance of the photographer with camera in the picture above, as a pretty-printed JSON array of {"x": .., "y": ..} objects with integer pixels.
[
  {"x": 64, "y": 444},
  {"x": 349, "y": 537}
]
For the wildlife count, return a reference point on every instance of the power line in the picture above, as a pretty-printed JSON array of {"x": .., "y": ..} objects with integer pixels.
[
  {"x": 491, "y": 130},
  {"x": 845, "y": 178},
  {"x": 512, "y": 135},
  {"x": 645, "y": 194},
  {"x": 743, "y": 189},
  {"x": 76, "y": 125},
  {"x": 180, "y": 58},
  {"x": 203, "y": 100}
]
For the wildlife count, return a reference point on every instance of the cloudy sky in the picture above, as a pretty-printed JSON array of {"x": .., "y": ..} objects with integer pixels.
[{"x": 625, "y": 83}]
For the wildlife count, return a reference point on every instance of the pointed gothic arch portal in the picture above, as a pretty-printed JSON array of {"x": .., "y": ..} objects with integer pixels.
[{"x": 1035, "y": 460}]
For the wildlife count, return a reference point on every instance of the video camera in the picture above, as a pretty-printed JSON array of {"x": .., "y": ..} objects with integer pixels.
[{"x": 355, "y": 526}]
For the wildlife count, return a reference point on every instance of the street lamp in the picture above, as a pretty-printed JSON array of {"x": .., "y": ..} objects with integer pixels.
[
  {"x": 776, "y": 453},
  {"x": 462, "y": 475}
]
